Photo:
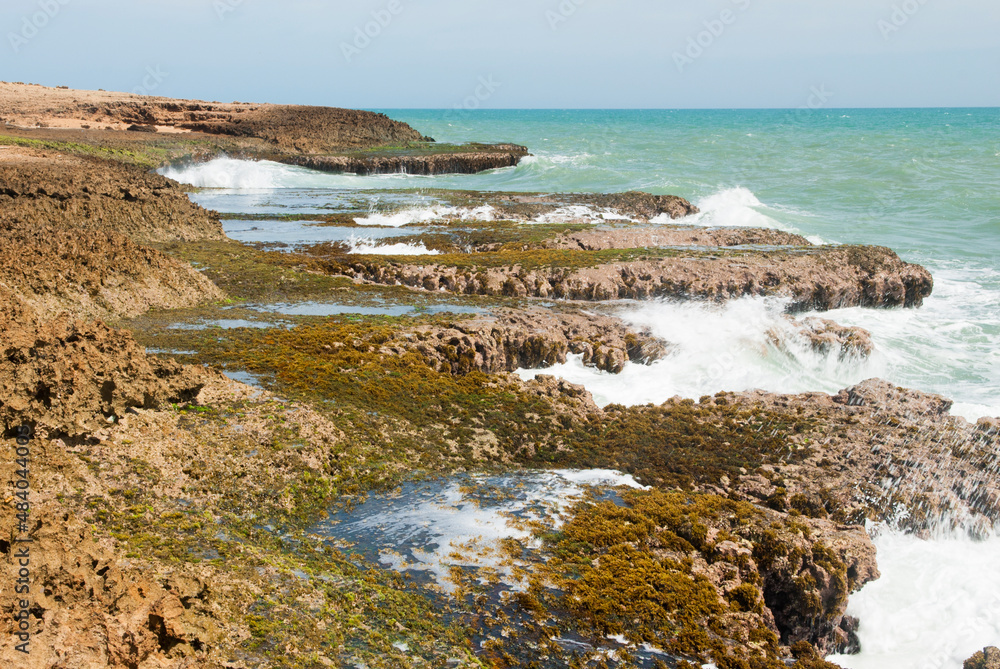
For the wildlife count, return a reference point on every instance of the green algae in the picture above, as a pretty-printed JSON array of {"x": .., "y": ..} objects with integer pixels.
[
  {"x": 636, "y": 568},
  {"x": 525, "y": 260}
]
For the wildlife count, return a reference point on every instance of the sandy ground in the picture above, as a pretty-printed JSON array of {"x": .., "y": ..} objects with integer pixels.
[{"x": 36, "y": 106}]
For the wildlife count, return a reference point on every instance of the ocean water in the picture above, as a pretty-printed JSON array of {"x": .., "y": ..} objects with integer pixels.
[{"x": 924, "y": 182}]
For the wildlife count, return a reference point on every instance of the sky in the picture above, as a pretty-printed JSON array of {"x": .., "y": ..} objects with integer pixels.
[{"x": 391, "y": 54}]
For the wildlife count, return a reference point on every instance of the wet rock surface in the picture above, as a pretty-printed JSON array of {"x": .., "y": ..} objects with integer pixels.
[
  {"x": 825, "y": 336},
  {"x": 624, "y": 238},
  {"x": 471, "y": 159}
]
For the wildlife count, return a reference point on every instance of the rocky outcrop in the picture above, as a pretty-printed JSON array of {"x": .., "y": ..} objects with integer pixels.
[
  {"x": 535, "y": 339},
  {"x": 637, "y": 204},
  {"x": 469, "y": 159},
  {"x": 704, "y": 578},
  {"x": 826, "y": 336},
  {"x": 633, "y": 238},
  {"x": 988, "y": 658},
  {"x": 73, "y": 377},
  {"x": 322, "y": 138},
  {"x": 39, "y": 188},
  {"x": 286, "y": 128},
  {"x": 823, "y": 278},
  {"x": 877, "y": 451},
  {"x": 67, "y": 237},
  {"x": 91, "y": 609},
  {"x": 55, "y": 269}
]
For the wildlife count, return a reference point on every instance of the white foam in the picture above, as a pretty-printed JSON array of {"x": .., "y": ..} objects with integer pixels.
[
  {"x": 577, "y": 212},
  {"x": 227, "y": 172},
  {"x": 415, "y": 215},
  {"x": 734, "y": 208},
  {"x": 950, "y": 345},
  {"x": 739, "y": 345},
  {"x": 232, "y": 173},
  {"x": 367, "y": 246},
  {"x": 936, "y": 604},
  {"x": 604, "y": 477}
]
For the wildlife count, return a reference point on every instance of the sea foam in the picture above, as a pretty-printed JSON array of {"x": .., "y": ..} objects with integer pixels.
[
  {"x": 740, "y": 345},
  {"x": 937, "y": 603}
]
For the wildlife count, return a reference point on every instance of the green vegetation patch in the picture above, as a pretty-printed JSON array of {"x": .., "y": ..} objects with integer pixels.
[{"x": 637, "y": 568}]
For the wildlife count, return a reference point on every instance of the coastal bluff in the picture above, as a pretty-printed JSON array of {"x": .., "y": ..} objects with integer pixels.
[{"x": 323, "y": 138}]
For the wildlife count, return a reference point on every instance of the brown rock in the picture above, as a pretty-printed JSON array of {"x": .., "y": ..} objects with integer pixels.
[
  {"x": 90, "y": 610},
  {"x": 469, "y": 160},
  {"x": 988, "y": 658},
  {"x": 534, "y": 339},
  {"x": 822, "y": 278},
  {"x": 40, "y": 189},
  {"x": 74, "y": 377},
  {"x": 875, "y": 450},
  {"x": 826, "y": 336},
  {"x": 289, "y": 128},
  {"x": 632, "y": 238}
]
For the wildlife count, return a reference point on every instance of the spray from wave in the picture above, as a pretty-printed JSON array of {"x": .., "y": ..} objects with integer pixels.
[
  {"x": 224, "y": 172},
  {"x": 936, "y": 603},
  {"x": 740, "y": 345},
  {"x": 415, "y": 215},
  {"x": 736, "y": 208}
]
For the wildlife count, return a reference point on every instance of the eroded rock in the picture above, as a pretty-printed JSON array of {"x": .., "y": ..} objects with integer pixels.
[
  {"x": 73, "y": 376},
  {"x": 535, "y": 339},
  {"x": 824, "y": 278}
]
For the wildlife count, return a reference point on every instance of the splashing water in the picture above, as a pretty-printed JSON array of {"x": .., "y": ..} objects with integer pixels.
[
  {"x": 740, "y": 345},
  {"x": 936, "y": 604}
]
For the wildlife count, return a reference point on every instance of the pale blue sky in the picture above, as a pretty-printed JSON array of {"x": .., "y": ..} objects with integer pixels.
[{"x": 536, "y": 53}]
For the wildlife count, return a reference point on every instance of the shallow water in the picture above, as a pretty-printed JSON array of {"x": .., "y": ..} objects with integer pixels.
[
  {"x": 295, "y": 234},
  {"x": 433, "y": 526}
]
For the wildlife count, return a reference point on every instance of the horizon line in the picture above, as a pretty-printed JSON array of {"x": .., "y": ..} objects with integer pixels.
[{"x": 820, "y": 109}]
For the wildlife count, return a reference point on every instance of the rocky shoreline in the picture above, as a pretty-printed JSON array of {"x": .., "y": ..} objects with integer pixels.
[
  {"x": 173, "y": 509},
  {"x": 161, "y": 130}
]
